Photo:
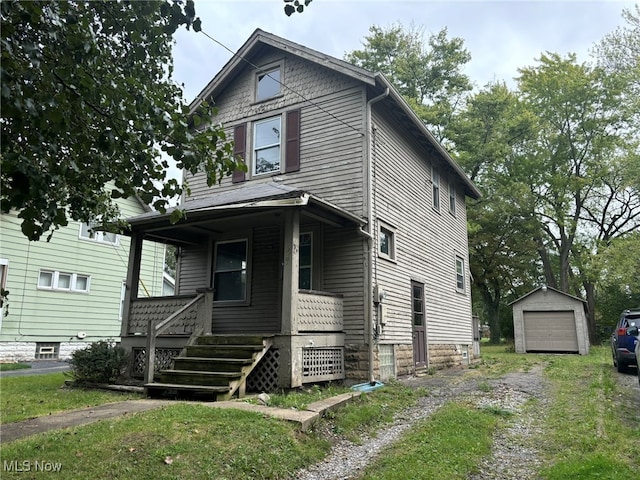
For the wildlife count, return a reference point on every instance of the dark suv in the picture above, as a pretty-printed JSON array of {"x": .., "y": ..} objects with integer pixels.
[{"x": 622, "y": 344}]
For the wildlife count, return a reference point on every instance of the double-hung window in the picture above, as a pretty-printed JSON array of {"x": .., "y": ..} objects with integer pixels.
[
  {"x": 230, "y": 271},
  {"x": 87, "y": 232},
  {"x": 459, "y": 274},
  {"x": 266, "y": 145},
  {"x": 435, "y": 182}
]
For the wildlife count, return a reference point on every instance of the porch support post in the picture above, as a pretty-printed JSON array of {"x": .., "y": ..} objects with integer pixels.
[
  {"x": 293, "y": 368},
  {"x": 290, "y": 272},
  {"x": 133, "y": 278},
  {"x": 205, "y": 310}
]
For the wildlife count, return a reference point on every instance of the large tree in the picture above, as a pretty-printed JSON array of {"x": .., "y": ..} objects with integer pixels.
[
  {"x": 576, "y": 168},
  {"x": 428, "y": 73},
  {"x": 88, "y": 102},
  {"x": 488, "y": 135}
]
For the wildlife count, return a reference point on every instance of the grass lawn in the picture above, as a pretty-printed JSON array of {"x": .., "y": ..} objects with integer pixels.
[
  {"x": 7, "y": 367},
  {"x": 36, "y": 395},
  {"x": 585, "y": 432}
]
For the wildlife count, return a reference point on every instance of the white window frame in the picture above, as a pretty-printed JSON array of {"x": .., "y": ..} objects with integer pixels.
[
  {"x": 452, "y": 198},
  {"x": 244, "y": 300},
  {"x": 390, "y": 232},
  {"x": 267, "y": 72},
  {"x": 460, "y": 274},
  {"x": 435, "y": 187},
  {"x": 55, "y": 281},
  {"x": 310, "y": 265},
  {"x": 86, "y": 233},
  {"x": 256, "y": 148}
]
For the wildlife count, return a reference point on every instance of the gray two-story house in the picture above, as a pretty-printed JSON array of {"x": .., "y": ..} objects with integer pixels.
[{"x": 341, "y": 251}]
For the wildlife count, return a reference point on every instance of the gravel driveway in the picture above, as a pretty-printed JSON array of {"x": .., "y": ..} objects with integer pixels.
[{"x": 514, "y": 455}]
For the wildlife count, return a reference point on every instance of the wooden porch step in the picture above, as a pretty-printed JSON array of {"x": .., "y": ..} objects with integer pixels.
[
  {"x": 157, "y": 389},
  {"x": 257, "y": 340},
  {"x": 194, "y": 377},
  {"x": 214, "y": 364},
  {"x": 222, "y": 351}
]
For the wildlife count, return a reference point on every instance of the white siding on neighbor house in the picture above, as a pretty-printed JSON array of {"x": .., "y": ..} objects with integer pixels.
[
  {"x": 426, "y": 240},
  {"x": 43, "y": 315},
  {"x": 331, "y": 129}
]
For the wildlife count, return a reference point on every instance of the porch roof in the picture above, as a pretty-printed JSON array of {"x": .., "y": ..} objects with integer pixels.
[{"x": 200, "y": 214}]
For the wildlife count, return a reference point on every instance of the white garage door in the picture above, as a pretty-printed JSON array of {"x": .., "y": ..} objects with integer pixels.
[{"x": 550, "y": 332}]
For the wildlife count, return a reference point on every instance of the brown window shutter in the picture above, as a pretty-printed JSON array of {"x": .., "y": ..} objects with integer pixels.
[
  {"x": 239, "y": 146},
  {"x": 292, "y": 152}
]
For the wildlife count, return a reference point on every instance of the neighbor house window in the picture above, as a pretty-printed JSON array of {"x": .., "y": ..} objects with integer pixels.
[
  {"x": 63, "y": 281},
  {"x": 452, "y": 197},
  {"x": 387, "y": 242},
  {"x": 305, "y": 270},
  {"x": 87, "y": 232},
  {"x": 266, "y": 146},
  {"x": 459, "y": 274},
  {"x": 4, "y": 265},
  {"x": 435, "y": 182},
  {"x": 230, "y": 271},
  {"x": 268, "y": 84}
]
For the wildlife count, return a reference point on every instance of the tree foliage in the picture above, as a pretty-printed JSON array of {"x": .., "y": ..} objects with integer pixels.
[
  {"x": 427, "y": 74},
  {"x": 293, "y": 6},
  {"x": 87, "y": 101}
]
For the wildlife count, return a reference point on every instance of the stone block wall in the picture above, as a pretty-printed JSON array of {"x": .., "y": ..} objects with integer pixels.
[{"x": 26, "y": 351}]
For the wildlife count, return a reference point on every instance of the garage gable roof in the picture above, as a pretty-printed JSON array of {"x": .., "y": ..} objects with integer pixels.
[{"x": 543, "y": 288}]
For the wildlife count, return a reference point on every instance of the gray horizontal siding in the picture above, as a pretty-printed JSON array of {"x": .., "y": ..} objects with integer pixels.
[
  {"x": 344, "y": 260},
  {"x": 331, "y": 130},
  {"x": 426, "y": 241}
]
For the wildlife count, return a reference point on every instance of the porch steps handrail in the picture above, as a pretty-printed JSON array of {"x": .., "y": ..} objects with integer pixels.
[{"x": 153, "y": 330}]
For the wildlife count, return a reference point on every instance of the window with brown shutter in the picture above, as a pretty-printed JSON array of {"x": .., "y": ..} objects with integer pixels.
[
  {"x": 239, "y": 146},
  {"x": 292, "y": 152}
]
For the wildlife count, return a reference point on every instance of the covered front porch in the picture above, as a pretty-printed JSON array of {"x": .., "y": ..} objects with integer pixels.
[{"x": 264, "y": 261}]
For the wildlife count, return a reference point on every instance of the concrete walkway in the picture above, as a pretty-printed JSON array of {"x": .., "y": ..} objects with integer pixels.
[{"x": 304, "y": 418}]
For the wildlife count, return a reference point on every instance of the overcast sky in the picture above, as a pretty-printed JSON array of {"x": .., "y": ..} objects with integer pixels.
[{"x": 501, "y": 36}]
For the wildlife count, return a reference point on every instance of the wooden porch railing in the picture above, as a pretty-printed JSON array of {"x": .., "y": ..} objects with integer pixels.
[{"x": 204, "y": 305}]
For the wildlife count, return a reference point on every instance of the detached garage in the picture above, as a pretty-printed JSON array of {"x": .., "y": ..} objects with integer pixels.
[{"x": 548, "y": 320}]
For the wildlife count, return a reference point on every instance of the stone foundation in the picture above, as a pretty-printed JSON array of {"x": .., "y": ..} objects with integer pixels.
[
  {"x": 446, "y": 356},
  {"x": 26, "y": 351},
  {"x": 440, "y": 357}
]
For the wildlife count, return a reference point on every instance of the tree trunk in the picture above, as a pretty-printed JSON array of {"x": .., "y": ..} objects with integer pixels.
[
  {"x": 492, "y": 307},
  {"x": 590, "y": 310}
]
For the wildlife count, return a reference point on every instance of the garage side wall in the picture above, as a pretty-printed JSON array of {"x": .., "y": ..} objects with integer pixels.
[{"x": 549, "y": 301}]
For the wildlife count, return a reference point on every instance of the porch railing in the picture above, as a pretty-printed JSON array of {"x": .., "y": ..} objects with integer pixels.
[
  {"x": 203, "y": 303},
  {"x": 319, "y": 312}
]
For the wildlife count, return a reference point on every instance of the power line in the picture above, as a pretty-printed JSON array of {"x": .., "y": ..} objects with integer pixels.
[{"x": 235, "y": 54}]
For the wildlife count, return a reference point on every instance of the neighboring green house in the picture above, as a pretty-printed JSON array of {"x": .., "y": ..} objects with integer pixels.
[{"x": 68, "y": 292}]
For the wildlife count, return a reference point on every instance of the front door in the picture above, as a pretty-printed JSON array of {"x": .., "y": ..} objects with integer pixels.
[{"x": 419, "y": 329}]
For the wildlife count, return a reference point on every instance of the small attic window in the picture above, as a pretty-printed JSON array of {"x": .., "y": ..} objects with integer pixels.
[{"x": 268, "y": 84}]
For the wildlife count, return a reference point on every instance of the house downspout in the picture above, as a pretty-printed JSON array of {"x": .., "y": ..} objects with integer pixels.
[{"x": 370, "y": 233}]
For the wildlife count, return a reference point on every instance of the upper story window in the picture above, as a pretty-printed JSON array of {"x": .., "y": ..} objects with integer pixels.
[
  {"x": 63, "y": 281},
  {"x": 268, "y": 84},
  {"x": 459, "y": 274},
  {"x": 273, "y": 150},
  {"x": 435, "y": 182},
  {"x": 387, "y": 242},
  {"x": 230, "y": 271},
  {"x": 88, "y": 233},
  {"x": 266, "y": 145},
  {"x": 452, "y": 197}
]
